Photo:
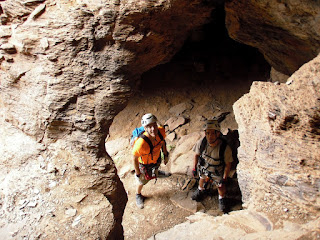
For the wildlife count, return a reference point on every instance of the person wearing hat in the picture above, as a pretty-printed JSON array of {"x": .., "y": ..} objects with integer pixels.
[
  {"x": 212, "y": 162},
  {"x": 147, "y": 155}
]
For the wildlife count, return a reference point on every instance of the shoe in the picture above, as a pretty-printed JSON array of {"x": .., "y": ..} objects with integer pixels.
[
  {"x": 222, "y": 204},
  {"x": 162, "y": 174},
  {"x": 198, "y": 195},
  {"x": 139, "y": 201}
]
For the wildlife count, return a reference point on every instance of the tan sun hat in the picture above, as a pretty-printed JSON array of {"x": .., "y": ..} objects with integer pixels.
[{"x": 212, "y": 124}]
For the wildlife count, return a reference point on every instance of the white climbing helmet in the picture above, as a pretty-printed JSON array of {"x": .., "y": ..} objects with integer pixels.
[
  {"x": 147, "y": 119},
  {"x": 212, "y": 124}
]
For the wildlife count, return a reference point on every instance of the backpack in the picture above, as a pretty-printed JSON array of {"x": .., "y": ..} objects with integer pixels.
[{"x": 135, "y": 134}]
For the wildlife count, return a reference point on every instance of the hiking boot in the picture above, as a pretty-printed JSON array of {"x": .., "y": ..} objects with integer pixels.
[
  {"x": 139, "y": 201},
  {"x": 222, "y": 204},
  {"x": 198, "y": 195},
  {"x": 162, "y": 174}
]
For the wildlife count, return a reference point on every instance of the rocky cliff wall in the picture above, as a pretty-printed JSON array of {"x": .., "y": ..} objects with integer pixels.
[
  {"x": 68, "y": 68},
  {"x": 277, "y": 29},
  {"x": 279, "y": 133}
]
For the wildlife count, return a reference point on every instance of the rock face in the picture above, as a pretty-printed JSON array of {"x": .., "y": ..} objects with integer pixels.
[
  {"x": 277, "y": 29},
  {"x": 69, "y": 67},
  {"x": 65, "y": 71},
  {"x": 238, "y": 225},
  {"x": 279, "y": 151}
]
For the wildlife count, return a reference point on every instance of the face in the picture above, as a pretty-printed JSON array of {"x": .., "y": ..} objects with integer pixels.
[
  {"x": 212, "y": 135},
  {"x": 152, "y": 129}
]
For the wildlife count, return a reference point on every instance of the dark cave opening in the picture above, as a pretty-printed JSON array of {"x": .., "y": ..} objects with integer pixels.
[{"x": 209, "y": 56}]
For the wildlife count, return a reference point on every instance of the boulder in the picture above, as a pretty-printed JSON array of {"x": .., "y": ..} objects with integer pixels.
[
  {"x": 67, "y": 69},
  {"x": 179, "y": 109},
  {"x": 243, "y": 224},
  {"x": 277, "y": 29},
  {"x": 175, "y": 122},
  {"x": 182, "y": 157},
  {"x": 279, "y": 140}
]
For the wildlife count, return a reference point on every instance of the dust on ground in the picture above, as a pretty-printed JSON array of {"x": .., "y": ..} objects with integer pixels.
[{"x": 160, "y": 212}]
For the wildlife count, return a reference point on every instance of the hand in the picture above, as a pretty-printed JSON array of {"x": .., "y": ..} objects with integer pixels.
[
  {"x": 222, "y": 182},
  {"x": 138, "y": 173},
  {"x": 139, "y": 177},
  {"x": 194, "y": 172}
]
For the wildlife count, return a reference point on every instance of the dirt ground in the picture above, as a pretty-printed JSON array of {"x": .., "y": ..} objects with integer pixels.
[{"x": 160, "y": 212}]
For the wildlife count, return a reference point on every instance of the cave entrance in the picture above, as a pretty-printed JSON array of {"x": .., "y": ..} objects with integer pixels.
[
  {"x": 210, "y": 57},
  {"x": 203, "y": 80},
  {"x": 211, "y": 72}
]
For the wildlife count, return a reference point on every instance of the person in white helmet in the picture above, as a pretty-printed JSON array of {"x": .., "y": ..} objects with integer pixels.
[
  {"x": 212, "y": 160},
  {"x": 147, "y": 154}
]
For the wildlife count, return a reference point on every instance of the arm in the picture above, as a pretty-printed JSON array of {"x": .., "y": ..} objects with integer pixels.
[
  {"x": 164, "y": 148},
  {"x": 228, "y": 162},
  {"x": 136, "y": 165},
  {"x": 226, "y": 171},
  {"x": 165, "y": 152},
  {"x": 224, "y": 179},
  {"x": 195, "y": 164}
]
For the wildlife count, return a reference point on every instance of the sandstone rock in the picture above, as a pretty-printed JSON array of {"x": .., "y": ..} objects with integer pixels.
[
  {"x": 5, "y": 31},
  {"x": 184, "y": 201},
  {"x": 182, "y": 156},
  {"x": 70, "y": 69},
  {"x": 277, "y": 29},
  {"x": 183, "y": 131},
  {"x": 201, "y": 118},
  {"x": 175, "y": 122},
  {"x": 32, "y": 2},
  {"x": 62, "y": 89},
  {"x": 238, "y": 225},
  {"x": 9, "y": 48},
  {"x": 71, "y": 212},
  {"x": 115, "y": 146},
  {"x": 288, "y": 170},
  {"x": 171, "y": 136},
  {"x": 277, "y": 76},
  {"x": 180, "y": 108},
  {"x": 37, "y": 11}
]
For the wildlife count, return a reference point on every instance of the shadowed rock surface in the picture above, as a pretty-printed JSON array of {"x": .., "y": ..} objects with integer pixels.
[{"x": 69, "y": 67}]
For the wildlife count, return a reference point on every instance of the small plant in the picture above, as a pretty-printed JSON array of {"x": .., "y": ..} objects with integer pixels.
[{"x": 170, "y": 147}]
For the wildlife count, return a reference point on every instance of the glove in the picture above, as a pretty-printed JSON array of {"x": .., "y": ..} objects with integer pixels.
[
  {"x": 194, "y": 172},
  {"x": 222, "y": 182}
]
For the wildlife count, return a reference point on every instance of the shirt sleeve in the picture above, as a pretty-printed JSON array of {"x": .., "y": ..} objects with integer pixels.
[{"x": 196, "y": 147}]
